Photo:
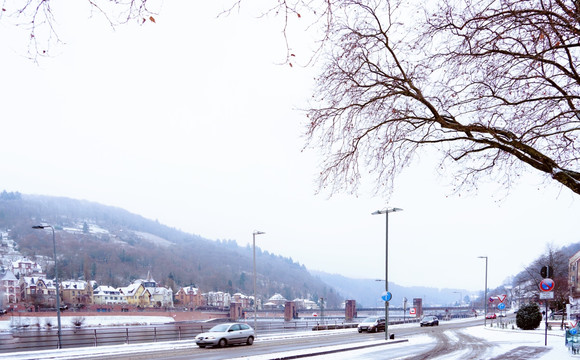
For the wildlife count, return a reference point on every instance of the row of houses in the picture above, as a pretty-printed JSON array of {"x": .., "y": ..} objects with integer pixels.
[
  {"x": 39, "y": 291},
  {"x": 26, "y": 283}
]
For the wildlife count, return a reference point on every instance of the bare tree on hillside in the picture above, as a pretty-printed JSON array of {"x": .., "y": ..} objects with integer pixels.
[{"x": 528, "y": 280}]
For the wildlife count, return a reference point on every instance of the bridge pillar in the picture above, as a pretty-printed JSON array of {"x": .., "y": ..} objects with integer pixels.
[
  {"x": 349, "y": 310},
  {"x": 290, "y": 312},
  {"x": 235, "y": 311},
  {"x": 418, "y": 305}
]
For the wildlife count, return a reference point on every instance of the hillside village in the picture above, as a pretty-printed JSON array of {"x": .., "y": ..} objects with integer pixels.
[{"x": 24, "y": 286}]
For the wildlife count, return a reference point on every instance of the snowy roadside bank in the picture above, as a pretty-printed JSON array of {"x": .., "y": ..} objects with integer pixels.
[{"x": 88, "y": 321}]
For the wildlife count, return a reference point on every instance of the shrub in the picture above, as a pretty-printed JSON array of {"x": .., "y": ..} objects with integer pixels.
[
  {"x": 529, "y": 317},
  {"x": 78, "y": 321}
]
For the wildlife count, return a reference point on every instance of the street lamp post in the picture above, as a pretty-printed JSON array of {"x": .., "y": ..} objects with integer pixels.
[
  {"x": 460, "y": 297},
  {"x": 386, "y": 212},
  {"x": 485, "y": 292},
  {"x": 255, "y": 299},
  {"x": 56, "y": 279},
  {"x": 404, "y": 309}
]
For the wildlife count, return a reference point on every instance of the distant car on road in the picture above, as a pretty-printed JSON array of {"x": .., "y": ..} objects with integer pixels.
[
  {"x": 226, "y": 334},
  {"x": 372, "y": 324},
  {"x": 491, "y": 316},
  {"x": 430, "y": 321}
]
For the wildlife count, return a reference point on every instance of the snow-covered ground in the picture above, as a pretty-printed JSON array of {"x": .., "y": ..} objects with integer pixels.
[{"x": 503, "y": 341}]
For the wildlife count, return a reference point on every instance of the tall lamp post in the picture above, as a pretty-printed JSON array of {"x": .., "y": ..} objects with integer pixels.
[
  {"x": 386, "y": 212},
  {"x": 485, "y": 292},
  {"x": 460, "y": 297},
  {"x": 56, "y": 279},
  {"x": 255, "y": 298}
]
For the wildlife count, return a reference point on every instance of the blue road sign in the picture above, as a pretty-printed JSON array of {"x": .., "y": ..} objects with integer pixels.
[
  {"x": 501, "y": 306},
  {"x": 387, "y": 296}
]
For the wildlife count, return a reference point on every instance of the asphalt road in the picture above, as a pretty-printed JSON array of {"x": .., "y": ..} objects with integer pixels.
[{"x": 443, "y": 344}]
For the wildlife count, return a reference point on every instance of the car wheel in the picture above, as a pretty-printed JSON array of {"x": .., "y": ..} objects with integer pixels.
[
  {"x": 359, "y": 331},
  {"x": 222, "y": 343},
  {"x": 375, "y": 330},
  {"x": 250, "y": 340},
  {"x": 201, "y": 346},
  {"x": 421, "y": 325}
]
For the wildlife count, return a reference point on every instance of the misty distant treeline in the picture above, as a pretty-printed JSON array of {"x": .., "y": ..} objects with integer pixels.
[{"x": 4, "y": 195}]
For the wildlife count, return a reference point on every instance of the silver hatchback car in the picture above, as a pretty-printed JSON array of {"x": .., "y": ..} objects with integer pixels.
[{"x": 226, "y": 334}]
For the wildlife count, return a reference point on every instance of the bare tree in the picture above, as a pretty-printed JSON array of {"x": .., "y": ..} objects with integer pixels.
[
  {"x": 528, "y": 281},
  {"x": 557, "y": 259},
  {"x": 491, "y": 85},
  {"x": 38, "y": 18}
]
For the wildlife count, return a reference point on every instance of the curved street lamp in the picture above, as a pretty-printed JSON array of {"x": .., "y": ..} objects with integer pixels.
[
  {"x": 485, "y": 292},
  {"x": 386, "y": 212},
  {"x": 56, "y": 279}
]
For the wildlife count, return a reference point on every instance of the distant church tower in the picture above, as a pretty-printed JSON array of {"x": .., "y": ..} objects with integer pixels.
[{"x": 149, "y": 282}]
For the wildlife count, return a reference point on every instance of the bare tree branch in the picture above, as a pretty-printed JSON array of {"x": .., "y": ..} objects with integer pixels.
[
  {"x": 491, "y": 85},
  {"x": 37, "y": 18}
]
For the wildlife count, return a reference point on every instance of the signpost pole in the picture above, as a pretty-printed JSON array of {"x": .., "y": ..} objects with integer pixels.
[
  {"x": 546, "y": 330},
  {"x": 547, "y": 286}
]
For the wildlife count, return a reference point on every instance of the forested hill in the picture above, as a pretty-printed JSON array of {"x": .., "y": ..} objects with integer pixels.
[{"x": 114, "y": 247}]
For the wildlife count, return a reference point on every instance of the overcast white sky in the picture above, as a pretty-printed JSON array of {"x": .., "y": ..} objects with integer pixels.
[{"x": 193, "y": 122}]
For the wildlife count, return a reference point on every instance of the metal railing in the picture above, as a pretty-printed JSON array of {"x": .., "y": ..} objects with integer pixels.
[
  {"x": 36, "y": 338},
  {"x": 43, "y": 339}
]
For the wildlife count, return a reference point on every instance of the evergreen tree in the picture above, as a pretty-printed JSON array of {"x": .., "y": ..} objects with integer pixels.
[{"x": 529, "y": 317}]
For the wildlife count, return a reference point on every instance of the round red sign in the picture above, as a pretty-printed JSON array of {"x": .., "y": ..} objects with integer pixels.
[{"x": 547, "y": 284}]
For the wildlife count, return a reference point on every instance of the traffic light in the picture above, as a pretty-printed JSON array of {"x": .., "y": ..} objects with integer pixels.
[{"x": 546, "y": 271}]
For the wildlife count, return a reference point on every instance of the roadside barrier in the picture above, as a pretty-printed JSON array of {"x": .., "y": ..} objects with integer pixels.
[{"x": 34, "y": 338}]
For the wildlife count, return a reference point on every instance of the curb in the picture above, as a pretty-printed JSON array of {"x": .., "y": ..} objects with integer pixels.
[{"x": 326, "y": 352}]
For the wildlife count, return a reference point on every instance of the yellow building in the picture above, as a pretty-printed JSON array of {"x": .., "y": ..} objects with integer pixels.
[{"x": 137, "y": 294}]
